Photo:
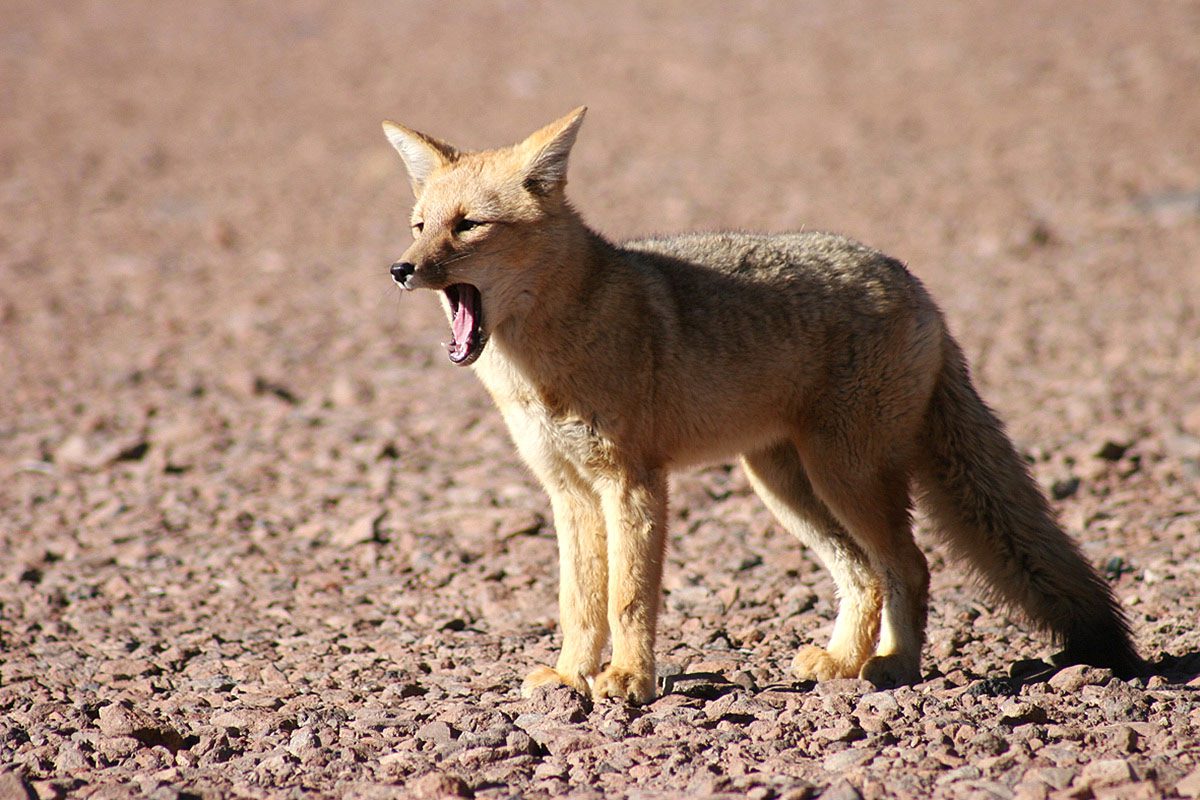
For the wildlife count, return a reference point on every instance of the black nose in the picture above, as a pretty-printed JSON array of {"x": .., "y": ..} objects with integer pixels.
[{"x": 402, "y": 271}]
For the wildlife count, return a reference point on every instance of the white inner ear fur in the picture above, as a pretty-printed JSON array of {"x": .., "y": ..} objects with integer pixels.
[
  {"x": 549, "y": 165},
  {"x": 420, "y": 158}
]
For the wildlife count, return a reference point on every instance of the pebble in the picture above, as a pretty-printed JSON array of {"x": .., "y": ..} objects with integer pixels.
[
  {"x": 1189, "y": 786},
  {"x": 118, "y": 719},
  {"x": 1020, "y": 712},
  {"x": 1069, "y": 680},
  {"x": 1107, "y": 771},
  {"x": 15, "y": 787},
  {"x": 849, "y": 759},
  {"x": 435, "y": 732},
  {"x": 964, "y": 773},
  {"x": 842, "y": 730},
  {"x": 361, "y": 531},
  {"x": 842, "y": 790},
  {"x": 439, "y": 785}
]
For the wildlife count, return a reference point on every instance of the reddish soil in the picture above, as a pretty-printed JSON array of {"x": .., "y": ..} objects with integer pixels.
[{"x": 258, "y": 538}]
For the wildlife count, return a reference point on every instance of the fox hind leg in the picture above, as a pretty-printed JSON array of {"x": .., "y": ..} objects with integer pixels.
[
  {"x": 874, "y": 507},
  {"x": 779, "y": 478}
]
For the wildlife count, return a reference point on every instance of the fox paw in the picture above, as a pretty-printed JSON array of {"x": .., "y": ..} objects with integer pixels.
[
  {"x": 545, "y": 676},
  {"x": 890, "y": 671},
  {"x": 623, "y": 684},
  {"x": 814, "y": 663}
]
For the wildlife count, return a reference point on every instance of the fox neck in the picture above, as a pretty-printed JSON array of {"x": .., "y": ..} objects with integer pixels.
[{"x": 550, "y": 336}]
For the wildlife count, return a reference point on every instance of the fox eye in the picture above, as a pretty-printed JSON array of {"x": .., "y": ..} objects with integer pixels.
[
  {"x": 464, "y": 225},
  {"x": 418, "y": 226}
]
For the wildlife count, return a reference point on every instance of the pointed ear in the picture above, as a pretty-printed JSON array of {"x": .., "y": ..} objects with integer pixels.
[
  {"x": 422, "y": 154},
  {"x": 548, "y": 149}
]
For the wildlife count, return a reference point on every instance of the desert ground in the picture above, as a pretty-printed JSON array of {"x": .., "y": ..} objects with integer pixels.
[{"x": 260, "y": 539}]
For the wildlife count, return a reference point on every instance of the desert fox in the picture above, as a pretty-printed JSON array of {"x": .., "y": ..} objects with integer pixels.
[{"x": 820, "y": 362}]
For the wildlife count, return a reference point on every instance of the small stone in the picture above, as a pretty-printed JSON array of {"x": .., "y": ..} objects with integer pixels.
[
  {"x": 559, "y": 703},
  {"x": 119, "y": 719},
  {"x": 242, "y": 719},
  {"x": 702, "y": 686},
  {"x": 362, "y": 530},
  {"x": 1053, "y": 777},
  {"x": 968, "y": 772},
  {"x": 1125, "y": 738},
  {"x": 842, "y": 730},
  {"x": 73, "y": 452},
  {"x": 1112, "y": 450},
  {"x": 872, "y": 723},
  {"x": 1146, "y": 790},
  {"x": 883, "y": 703},
  {"x": 842, "y": 790},
  {"x": 435, "y": 731},
  {"x": 1020, "y": 712},
  {"x": 437, "y": 785},
  {"x": 1070, "y": 680},
  {"x": 14, "y": 787},
  {"x": 344, "y": 392},
  {"x": 562, "y": 740},
  {"x": 520, "y": 743},
  {"x": 1107, "y": 772},
  {"x": 71, "y": 760},
  {"x": 115, "y": 748},
  {"x": 988, "y": 742},
  {"x": 763, "y": 730},
  {"x": 849, "y": 759},
  {"x": 303, "y": 743},
  {"x": 745, "y": 680},
  {"x": 996, "y": 763},
  {"x": 1190, "y": 786}
]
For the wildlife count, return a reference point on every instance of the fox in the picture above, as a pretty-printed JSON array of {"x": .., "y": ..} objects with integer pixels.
[{"x": 823, "y": 365}]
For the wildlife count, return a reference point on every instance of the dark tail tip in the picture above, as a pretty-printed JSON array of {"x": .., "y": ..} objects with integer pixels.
[{"x": 1104, "y": 646}]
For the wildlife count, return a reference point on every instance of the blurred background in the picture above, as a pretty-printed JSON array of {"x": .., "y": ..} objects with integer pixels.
[
  {"x": 175, "y": 173},
  {"x": 218, "y": 416}
]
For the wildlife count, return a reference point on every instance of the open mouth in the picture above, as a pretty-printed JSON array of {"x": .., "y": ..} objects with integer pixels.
[{"x": 466, "y": 325}]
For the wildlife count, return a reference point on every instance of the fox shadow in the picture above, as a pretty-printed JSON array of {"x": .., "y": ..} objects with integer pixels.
[{"x": 1178, "y": 670}]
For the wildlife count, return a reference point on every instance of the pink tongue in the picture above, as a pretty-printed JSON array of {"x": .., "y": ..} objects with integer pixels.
[{"x": 464, "y": 319}]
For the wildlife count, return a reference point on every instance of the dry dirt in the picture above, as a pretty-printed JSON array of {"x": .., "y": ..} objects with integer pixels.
[{"x": 260, "y": 539}]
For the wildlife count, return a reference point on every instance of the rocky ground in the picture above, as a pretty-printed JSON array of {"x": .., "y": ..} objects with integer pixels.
[{"x": 258, "y": 538}]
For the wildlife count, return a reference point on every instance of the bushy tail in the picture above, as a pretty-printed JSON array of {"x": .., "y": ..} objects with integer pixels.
[{"x": 990, "y": 511}]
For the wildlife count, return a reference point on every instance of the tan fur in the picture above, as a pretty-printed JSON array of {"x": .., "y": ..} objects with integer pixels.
[{"x": 822, "y": 363}]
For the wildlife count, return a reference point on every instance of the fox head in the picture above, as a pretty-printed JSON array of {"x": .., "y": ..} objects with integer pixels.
[{"x": 476, "y": 225}]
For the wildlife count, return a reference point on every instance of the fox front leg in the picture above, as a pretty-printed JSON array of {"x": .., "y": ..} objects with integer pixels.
[
  {"x": 582, "y": 591},
  {"x": 635, "y": 509}
]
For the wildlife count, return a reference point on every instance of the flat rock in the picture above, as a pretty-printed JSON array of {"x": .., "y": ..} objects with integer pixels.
[
  {"x": 1107, "y": 771},
  {"x": 1073, "y": 678},
  {"x": 1189, "y": 786},
  {"x": 849, "y": 759},
  {"x": 15, "y": 787},
  {"x": 1020, "y": 712}
]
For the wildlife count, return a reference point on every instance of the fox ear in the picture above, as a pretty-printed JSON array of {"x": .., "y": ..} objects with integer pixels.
[
  {"x": 548, "y": 150},
  {"x": 422, "y": 154}
]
